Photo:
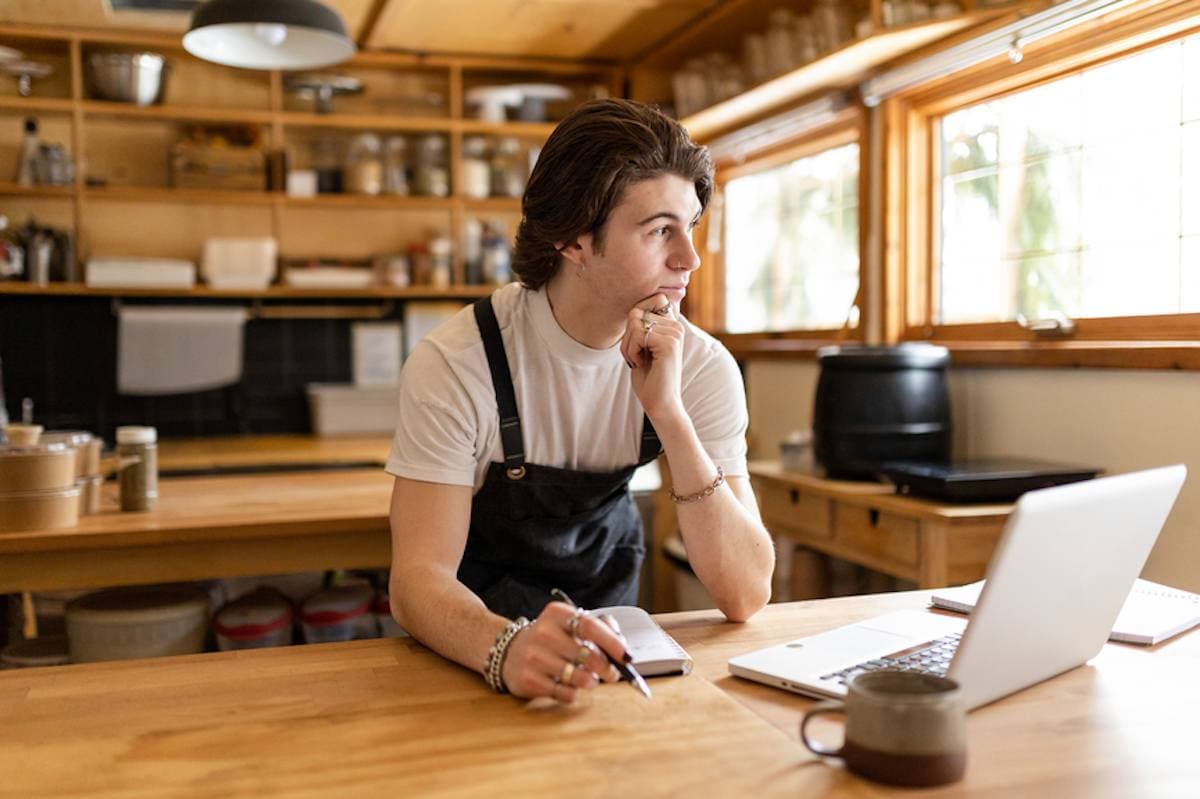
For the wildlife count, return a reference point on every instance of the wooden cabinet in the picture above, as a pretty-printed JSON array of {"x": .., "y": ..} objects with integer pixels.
[
  {"x": 122, "y": 200},
  {"x": 929, "y": 543}
]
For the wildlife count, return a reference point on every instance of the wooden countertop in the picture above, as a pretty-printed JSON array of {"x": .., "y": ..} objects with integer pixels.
[{"x": 389, "y": 718}]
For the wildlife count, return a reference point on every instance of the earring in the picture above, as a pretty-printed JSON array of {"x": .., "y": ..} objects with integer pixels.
[{"x": 579, "y": 270}]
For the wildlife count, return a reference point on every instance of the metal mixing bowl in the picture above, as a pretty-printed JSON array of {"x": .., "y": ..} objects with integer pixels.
[{"x": 138, "y": 78}]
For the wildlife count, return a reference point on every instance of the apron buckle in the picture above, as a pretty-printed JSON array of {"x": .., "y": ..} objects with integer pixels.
[{"x": 515, "y": 473}]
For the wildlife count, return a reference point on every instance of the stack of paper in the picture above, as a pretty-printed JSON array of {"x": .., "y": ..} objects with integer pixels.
[{"x": 1152, "y": 612}]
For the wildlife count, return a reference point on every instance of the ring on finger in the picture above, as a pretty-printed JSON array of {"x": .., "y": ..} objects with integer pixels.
[
  {"x": 582, "y": 656},
  {"x": 648, "y": 325},
  {"x": 573, "y": 624},
  {"x": 568, "y": 672}
]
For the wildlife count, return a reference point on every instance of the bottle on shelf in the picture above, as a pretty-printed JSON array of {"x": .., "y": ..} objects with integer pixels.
[
  {"x": 12, "y": 253},
  {"x": 473, "y": 251},
  {"x": 27, "y": 161},
  {"x": 497, "y": 260},
  {"x": 327, "y": 162},
  {"x": 509, "y": 171},
  {"x": 441, "y": 251}
]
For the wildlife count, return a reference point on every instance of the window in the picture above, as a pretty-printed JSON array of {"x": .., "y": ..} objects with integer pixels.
[
  {"x": 791, "y": 244},
  {"x": 1077, "y": 198}
]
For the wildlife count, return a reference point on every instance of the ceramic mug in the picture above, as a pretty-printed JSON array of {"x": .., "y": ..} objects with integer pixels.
[{"x": 902, "y": 728}]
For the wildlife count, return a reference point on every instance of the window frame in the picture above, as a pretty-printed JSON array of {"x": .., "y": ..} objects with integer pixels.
[
  {"x": 847, "y": 126},
  {"x": 1168, "y": 341}
]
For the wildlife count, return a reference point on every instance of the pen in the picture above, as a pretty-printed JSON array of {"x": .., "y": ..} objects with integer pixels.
[{"x": 626, "y": 671}]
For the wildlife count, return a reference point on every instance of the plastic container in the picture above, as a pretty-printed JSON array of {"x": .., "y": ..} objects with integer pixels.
[
  {"x": 137, "y": 622},
  {"x": 85, "y": 445},
  {"x": 260, "y": 619},
  {"x": 344, "y": 409},
  {"x": 39, "y": 510},
  {"x": 340, "y": 613},
  {"x": 45, "y": 650},
  {"x": 239, "y": 263},
  {"x": 45, "y": 467},
  {"x": 877, "y": 404},
  {"x": 89, "y": 494}
]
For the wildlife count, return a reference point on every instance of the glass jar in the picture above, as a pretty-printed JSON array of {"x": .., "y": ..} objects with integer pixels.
[
  {"x": 364, "y": 165},
  {"x": 508, "y": 169},
  {"x": 431, "y": 174},
  {"x": 395, "y": 166},
  {"x": 419, "y": 263},
  {"x": 497, "y": 260},
  {"x": 474, "y": 175},
  {"x": 137, "y": 450},
  {"x": 327, "y": 163},
  {"x": 780, "y": 56}
]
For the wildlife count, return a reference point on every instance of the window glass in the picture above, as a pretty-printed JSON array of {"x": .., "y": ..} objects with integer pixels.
[
  {"x": 1078, "y": 197},
  {"x": 791, "y": 244}
]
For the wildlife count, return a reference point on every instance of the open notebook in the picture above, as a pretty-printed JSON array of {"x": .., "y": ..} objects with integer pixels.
[
  {"x": 1152, "y": 612},
  {"x": 654, "y": 651}
]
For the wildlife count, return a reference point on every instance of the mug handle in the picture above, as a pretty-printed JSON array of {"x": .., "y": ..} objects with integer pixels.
[{"x": 821, "y": 708}]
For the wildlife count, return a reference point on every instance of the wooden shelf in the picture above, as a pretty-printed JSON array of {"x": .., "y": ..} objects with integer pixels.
[
  {"x": 492, "y": 204},
  {"x": 44, "y": 105},
  {"x": 169, "y": 195},
  {"x": 273, "y": 292},
  {"x": 398, "y": 202},
  {"x": 175, "y": 113},
  {"x": 305, "y": 119},
  {"x": 841, "y": 68},
  {"x": 532, "y": 130},
  {"x": 8, "y": 189}
]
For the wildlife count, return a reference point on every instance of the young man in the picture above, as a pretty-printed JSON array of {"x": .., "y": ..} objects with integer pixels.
[{"x": 522, "y": 419}]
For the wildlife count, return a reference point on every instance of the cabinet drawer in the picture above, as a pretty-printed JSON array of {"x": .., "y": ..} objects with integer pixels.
[
  {"x": 876, "y": 534},
  {"x": 788, "y": 509}
]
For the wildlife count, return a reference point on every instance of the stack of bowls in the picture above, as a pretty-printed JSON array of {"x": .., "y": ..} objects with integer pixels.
[
  {"x": 87, "y": 464},
  {"x": 37, "y": 485}
]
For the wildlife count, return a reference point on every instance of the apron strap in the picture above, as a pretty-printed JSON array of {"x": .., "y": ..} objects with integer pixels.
[{"x": 506, "y": 401}]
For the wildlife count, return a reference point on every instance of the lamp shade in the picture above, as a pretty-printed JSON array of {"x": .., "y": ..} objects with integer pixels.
[{"x": 268, "y": 34}]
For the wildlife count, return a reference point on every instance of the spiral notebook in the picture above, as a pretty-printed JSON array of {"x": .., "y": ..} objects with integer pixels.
[
  {"x": 1152, "y": 612},
  {"x": 654, "y": 651}
]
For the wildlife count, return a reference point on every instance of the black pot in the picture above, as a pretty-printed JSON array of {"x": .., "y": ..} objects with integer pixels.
[{"x": 877, "y": 404}]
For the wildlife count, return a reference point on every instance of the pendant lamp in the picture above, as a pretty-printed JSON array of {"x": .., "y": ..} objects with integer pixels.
[{"x": 268, "y": 34}]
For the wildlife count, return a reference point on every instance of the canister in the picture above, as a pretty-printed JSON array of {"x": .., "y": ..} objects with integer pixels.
[
  {"x": 261, "y": 618},
  {"x": 43, "y": 467},
  {"x": 340, "y": 613},
  {"x": 139, "y": 477},
  {"x": 137, "y": 622}
]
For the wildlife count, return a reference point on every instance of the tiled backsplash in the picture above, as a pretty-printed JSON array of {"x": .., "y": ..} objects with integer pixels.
[{"x": 62, "y": 353}]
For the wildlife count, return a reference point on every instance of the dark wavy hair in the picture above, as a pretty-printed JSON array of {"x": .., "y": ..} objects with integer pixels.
[{"x": 598, "y": 151}]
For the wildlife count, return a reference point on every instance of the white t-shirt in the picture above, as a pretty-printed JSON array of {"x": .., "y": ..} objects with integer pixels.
[{"x": 577, "y": 406}]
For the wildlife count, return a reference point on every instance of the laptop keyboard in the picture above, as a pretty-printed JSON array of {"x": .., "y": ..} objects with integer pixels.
[{"x": 931, "y": 657}]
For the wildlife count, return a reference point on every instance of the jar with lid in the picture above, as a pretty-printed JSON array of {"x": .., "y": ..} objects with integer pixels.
[
  {"x": 473, "y": 251},
  {"x": 441, "y": 252},
  {"x": 420, "y": 264},
  {"x": 780, "y": 56},
  {"x": 474, "y": 174},
  {"x": 431, "y": 176},
  {"x": 508, "y": 169},
  {"x": 364, "y": 165},
  {"x": 137, "y": 451},
  {"x": 395, "y": 166}
]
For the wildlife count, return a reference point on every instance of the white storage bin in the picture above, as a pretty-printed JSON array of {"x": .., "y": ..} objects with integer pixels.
[
  {"x": 239, "y": 263},
  {"x": 137, "y": 622},
  {"x": 343, "y": 409},
  {"x": 340, "y": 613},
  {"x": 257, "y": 620}
]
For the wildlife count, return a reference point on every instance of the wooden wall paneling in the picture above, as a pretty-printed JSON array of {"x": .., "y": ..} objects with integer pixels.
[
  {"x": 170, "y": 230},
  {"x": 356, "y": 233}
]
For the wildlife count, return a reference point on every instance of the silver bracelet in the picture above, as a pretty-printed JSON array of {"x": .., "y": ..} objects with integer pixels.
[
  {"x": 705, "y": 492},
  {"x": 495, "y": 657}
]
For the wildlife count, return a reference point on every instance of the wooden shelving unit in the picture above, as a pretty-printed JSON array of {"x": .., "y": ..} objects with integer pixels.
[
  {"x": 136, "y": 213},
  {"x": 274, "y": 292}
]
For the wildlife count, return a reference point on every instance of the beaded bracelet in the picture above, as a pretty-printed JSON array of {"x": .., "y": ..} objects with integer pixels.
[
  {"x": 705, "y": 492},
  {"x": 495, "y": 657}
]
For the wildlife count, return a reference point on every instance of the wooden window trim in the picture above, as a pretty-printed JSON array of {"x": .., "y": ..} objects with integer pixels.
[
  {"x": 1146, "y": 342},
  {"x": 706, "y": 298}
]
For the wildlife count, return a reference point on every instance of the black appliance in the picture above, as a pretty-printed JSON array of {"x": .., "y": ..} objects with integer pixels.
[
  {"x": 878, "y": 404},
  {"x": 981, "y": 480}
]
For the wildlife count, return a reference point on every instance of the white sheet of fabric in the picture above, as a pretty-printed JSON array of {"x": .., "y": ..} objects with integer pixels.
[{"x": 176, "y": 349}]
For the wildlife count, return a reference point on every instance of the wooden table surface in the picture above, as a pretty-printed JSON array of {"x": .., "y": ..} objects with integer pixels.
[
  {"x": 389, "y": 718},
  {"x": 209, "y": 527}
]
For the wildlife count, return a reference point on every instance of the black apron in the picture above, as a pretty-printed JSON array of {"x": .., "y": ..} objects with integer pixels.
[{"x": 536, "y": 527}]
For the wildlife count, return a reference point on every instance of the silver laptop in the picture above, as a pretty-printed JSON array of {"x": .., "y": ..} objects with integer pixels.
[{"x": 1055, "y": 584}]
